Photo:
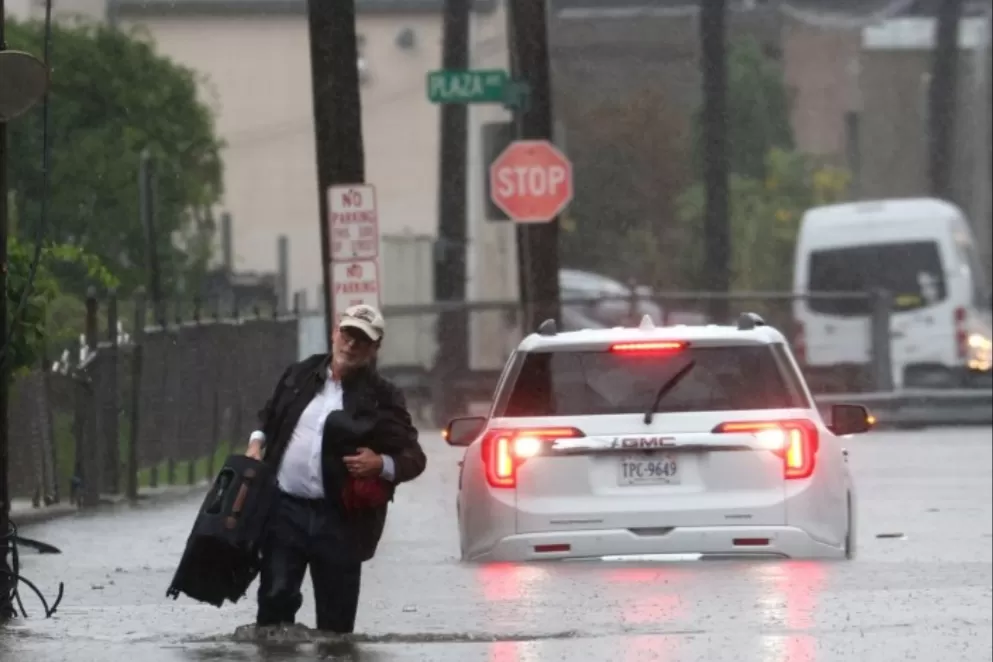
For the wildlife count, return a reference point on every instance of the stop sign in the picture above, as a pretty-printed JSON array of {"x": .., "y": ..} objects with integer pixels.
[{"x": 531, "y": 181}]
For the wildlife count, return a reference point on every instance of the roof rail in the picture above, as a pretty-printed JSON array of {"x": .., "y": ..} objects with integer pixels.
[
  {"x": 548, "y": 328},
  {"x": 748, "y": 321}
]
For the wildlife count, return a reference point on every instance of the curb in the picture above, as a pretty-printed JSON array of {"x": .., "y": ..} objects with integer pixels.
[{"x": 26, "y": 515}]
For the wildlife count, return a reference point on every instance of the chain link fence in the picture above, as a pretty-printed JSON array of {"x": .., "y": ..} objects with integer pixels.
[{"x": 153, "y": 405}]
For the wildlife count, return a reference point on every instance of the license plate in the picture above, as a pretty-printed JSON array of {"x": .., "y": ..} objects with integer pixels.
[{"x": 649, "y": 470}]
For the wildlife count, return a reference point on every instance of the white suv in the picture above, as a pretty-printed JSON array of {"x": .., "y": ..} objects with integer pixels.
[{"x": 634, "y": 442}]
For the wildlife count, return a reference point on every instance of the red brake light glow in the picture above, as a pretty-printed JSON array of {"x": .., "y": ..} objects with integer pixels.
[
  {"x": 796, "y": 441},
  {"x": 506, "y": 450},
  {"x": 653, "y": 347},
  {"x": 961, "y": 333}
]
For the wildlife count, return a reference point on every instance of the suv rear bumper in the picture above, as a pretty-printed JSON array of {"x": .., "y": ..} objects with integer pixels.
[{"x": 783, "y": 541}]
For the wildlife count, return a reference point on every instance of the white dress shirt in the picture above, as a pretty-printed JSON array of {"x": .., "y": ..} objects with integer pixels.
[{"x": 300, "y": 473}]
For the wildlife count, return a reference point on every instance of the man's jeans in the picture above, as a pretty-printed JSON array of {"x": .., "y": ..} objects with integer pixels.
[{"x": 308, "y": 532}]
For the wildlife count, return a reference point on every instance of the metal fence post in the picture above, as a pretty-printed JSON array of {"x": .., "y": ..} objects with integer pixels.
[
  {"x": 52, "y": 457},
  {"x": 92, "y": 455},
  {"x": 78, "y": 422},
  {"x": 191, "y": 462},
  {"x": 111, "y": 401},
  {"x": 881, "y": 341},
  {"x": 172, "y": 393},
  {"x": 215, "y": 431},
  {"x": 137, "y": 338}
]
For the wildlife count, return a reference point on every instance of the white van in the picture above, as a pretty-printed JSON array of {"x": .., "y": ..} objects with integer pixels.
[{"x": 922, "y": 251}]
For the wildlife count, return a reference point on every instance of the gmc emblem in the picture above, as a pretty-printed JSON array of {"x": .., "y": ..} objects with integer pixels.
[{"x": 641, "y": 442}]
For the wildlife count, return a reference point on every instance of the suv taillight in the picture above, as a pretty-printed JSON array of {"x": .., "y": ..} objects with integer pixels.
[
  {"x": 506, "y": 450},
  {"x": 794, "y": 440}
]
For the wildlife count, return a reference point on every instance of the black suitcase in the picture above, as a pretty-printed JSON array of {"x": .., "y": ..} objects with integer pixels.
[{"x": 222, "y": 553}]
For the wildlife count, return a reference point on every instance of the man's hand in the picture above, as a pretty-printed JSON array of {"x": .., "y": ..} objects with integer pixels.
[
  {"x": 364, "y": 464},
  {"x": 254, "y": 450}
]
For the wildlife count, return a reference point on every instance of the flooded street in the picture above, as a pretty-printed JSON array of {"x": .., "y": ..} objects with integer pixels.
[{"x": 925, "y": 595}]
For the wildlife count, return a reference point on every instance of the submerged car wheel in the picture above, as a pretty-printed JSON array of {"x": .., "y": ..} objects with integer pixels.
[
  {"x": 850, "y": 532},
  {"x": 458, "y": 524}
]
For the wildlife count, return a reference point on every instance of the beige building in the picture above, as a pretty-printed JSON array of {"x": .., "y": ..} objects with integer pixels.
[{"x": 253, "y": 56}]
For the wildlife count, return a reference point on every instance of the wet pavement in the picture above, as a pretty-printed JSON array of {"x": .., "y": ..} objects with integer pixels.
[{"x": 925, "y": 594}]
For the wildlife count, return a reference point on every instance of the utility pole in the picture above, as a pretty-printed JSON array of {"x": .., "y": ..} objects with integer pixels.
[
  {"x": 982, "y": 203},
  {"x": 337, "y": 116},
  {"x": 23, "y": 82},
  {"x": 450, "y": 252},
  {"x": 942, "y": 99},
  {"x": 537, "y": 243},
  {"x": 716, "y": 222},
  {"x": 146, "y": 202},
  {"x": 6, "y": 581}
]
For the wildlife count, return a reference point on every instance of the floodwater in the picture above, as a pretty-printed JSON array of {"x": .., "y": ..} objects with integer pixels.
[{"x": 921, "y": 591}]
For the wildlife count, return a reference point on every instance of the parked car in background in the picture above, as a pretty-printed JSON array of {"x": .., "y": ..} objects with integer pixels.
[{"x": 578, "y": 289}]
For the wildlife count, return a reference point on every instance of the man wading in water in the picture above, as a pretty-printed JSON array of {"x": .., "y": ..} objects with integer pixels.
[{"x": 341, "y": 439}]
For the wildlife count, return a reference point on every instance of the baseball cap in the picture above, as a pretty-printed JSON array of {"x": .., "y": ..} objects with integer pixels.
[{"x": 366, "y": 319}]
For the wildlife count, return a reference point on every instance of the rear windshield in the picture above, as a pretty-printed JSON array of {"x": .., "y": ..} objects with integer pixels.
[
  {"x": 911, "y": 272},
  {"x": 568, "y": 383}
]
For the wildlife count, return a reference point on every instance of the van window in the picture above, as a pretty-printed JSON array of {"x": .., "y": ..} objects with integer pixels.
[
  {"x": 911, "y": 272},
  {"x": 576, "y": 383}
]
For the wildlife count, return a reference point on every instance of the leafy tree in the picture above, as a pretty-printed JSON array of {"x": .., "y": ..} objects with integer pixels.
[
  {"x": 112, "y": 96},
  {"x": 758, "y": 110},
  {"x": 39, "y": 319},
  {"x": 765, "y": 219},
  {"x": 633, "y": 157},
  {"x": 771, "y": 184},
  {"x": 631, "y": 161}
]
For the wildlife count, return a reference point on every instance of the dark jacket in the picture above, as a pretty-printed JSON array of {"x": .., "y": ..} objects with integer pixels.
[{"x": 383, "y": 424}]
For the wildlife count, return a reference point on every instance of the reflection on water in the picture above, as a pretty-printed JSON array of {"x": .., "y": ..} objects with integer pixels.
[
  {"x": 658, "y": 601},
  {"x": 504, "y": 651},
  {"x": 640, "y": 648},
  {"x": 789, "y": 604},
  {"x": 652, "y": 610},
  {"x": 644, "y": 575},
  {"x": 802, "y": 582},
  {"x": 509, "y": 581},
  {"x": 657, "y": 612},
  {"x": 650, "y": 648}
]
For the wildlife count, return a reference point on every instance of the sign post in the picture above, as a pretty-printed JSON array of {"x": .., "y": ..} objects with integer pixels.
[
  {"x": 353, "y": 231},
  {"x": 531, "y": 181}
]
